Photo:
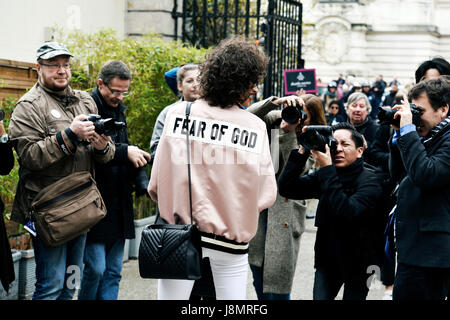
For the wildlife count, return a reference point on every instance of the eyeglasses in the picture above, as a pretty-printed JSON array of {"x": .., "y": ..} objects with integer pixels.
[
  {"x": 117, "y": 93},
  {"x": 55, "y": 67}
]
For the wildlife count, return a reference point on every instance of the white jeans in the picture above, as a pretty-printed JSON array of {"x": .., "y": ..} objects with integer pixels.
[{"x": 230, "y": 272}]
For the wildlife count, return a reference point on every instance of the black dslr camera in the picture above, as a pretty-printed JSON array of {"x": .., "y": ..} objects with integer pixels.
[
  {"x": 108, "y": 127},
  {"x": 292, "y": 114},
  {"x": 386, "y": 115},
  {"x": 316, "y": 137}
]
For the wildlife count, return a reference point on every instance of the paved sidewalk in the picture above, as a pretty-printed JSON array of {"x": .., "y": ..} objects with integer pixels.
[{"x": 133, "y": 287}]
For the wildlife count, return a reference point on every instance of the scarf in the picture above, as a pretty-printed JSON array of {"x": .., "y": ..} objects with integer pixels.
[
  {"x": 441, "y": 129},
  {"x": 348, "y": 174},
  {"x": 330, "y": 94}
]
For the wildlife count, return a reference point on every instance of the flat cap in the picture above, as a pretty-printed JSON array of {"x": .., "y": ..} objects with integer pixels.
[{"x": 52, "y": 49}]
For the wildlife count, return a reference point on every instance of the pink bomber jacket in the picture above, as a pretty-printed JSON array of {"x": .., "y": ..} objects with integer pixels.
[{"x": 232, "y": 175}]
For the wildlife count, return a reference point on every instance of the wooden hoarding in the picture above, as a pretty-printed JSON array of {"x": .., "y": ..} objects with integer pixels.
[{"x": 16, "y": 78}]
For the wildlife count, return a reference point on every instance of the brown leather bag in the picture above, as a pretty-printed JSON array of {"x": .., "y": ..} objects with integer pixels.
[{"x": 67, "y": 208}]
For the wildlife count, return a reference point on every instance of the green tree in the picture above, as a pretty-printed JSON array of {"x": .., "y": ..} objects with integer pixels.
[{"x": 148, "y": 58}]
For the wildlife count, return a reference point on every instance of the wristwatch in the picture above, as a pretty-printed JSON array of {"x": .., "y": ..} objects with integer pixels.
[{"x": 4, "y": 138}]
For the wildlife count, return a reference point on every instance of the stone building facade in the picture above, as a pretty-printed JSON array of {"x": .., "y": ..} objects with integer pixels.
[
  {"x": 370, "y": 37},
  {"x": 360, "y": 37}
]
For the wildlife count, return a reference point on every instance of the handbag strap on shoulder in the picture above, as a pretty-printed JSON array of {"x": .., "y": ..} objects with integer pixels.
[{"x": 188, "y": 111}]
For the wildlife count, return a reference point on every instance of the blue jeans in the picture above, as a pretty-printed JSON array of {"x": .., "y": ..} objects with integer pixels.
[
  {"x": 102, "y": 270},
  {"x": 258, "y": 284},
  {"x": 58, "y": 269}
]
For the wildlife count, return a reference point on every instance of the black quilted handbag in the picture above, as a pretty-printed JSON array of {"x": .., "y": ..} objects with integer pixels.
[{"x": 172, "y": 251}]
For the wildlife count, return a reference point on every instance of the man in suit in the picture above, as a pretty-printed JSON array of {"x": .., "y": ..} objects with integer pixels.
[{"x": 421, "y": 153}]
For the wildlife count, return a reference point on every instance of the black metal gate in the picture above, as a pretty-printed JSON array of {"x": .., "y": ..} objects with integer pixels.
[{"x": 276, "y": 25}]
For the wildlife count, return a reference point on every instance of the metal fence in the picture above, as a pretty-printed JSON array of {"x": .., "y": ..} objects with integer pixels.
[{"x": 275, "y": 24}]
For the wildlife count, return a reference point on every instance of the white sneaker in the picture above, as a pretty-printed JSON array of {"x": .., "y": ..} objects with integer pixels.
[{"x": 387, "y": 295}]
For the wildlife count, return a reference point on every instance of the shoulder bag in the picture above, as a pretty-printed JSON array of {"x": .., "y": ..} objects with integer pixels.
[
  {"x": 67, "y": 208},
  {"x": 172, "y": 251}
]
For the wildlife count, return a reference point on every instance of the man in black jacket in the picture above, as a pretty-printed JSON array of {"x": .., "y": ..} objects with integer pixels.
[
  {"x": 6, "y": 164},
  {"x": 116, "y": 181},
  {"x": 347, "y": 193},
  {"x": 422, "y": 222}
]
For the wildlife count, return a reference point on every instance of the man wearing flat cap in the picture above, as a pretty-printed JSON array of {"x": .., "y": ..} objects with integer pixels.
[{"x": 52, "y": 138}]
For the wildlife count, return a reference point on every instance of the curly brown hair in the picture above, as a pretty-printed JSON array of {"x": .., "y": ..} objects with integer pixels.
[{"x": 230, "y": 70}]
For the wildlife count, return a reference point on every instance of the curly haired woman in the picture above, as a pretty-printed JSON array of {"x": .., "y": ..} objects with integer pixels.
[{"x": 232, "y": 174}]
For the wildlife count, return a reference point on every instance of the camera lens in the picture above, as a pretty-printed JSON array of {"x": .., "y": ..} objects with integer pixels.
[
  {"x": 290, "y": 115},
  {"x": 312, "y": 140},
  {"x": 386, "y": 116}
]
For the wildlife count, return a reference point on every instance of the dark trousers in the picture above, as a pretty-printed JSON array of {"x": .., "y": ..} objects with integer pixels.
[
  {"x": 421, "y": 283},
  {"x": 204, "y": 287},
  {"x": 327, "y": 284},
  {"x": 388, "y": 271}
]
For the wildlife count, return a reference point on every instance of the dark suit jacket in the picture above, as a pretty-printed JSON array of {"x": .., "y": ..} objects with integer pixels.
[
  {"x": 423, "y": 205},
  {"x": 116, "y": 181}
]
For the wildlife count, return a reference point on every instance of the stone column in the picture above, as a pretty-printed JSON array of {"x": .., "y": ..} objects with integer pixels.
[{"x": 145, "y": 16}]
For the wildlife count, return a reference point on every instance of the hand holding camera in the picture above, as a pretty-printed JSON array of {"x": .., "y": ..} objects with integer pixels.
[
  {"x": 294, "y": 114},
  {"x": 108, "y": 127},
  {"x": 318, "y": 143},
  {"x": 318, "y": 138},
  {"x": 83, "y": 128},
  {"x": 99, "y": 141},
  {"x": 92, "y": 127},
  {"x": 400, "y": 115},
  {"x": 323, "y": 159},
  {"x": 138, "y": 157}
]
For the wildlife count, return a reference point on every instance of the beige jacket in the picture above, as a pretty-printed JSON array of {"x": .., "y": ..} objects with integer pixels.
[
  {"x": 232, "y": 174},
  {"x": 38, "y": 116}
]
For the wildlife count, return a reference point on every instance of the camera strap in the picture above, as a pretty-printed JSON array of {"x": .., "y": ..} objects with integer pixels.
[
  {"x": 63, "y": 145},
  {"x": 188, "y": 111}
]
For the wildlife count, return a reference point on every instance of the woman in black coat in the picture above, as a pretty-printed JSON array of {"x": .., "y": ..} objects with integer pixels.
[
  {"x": 6, "y": 164},
  {"x": 358, "y": 110},
  {"x": 347, "y": 193}
]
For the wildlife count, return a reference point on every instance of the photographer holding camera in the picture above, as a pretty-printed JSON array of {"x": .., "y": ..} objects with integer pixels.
[
  {"x": 347, "y": 193},
  {"x": 420, "y": 156},
  {"x": 46, "y": 129},
  {"x": 273, "y": 252},
  {"x": 116, "y": 180}
]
